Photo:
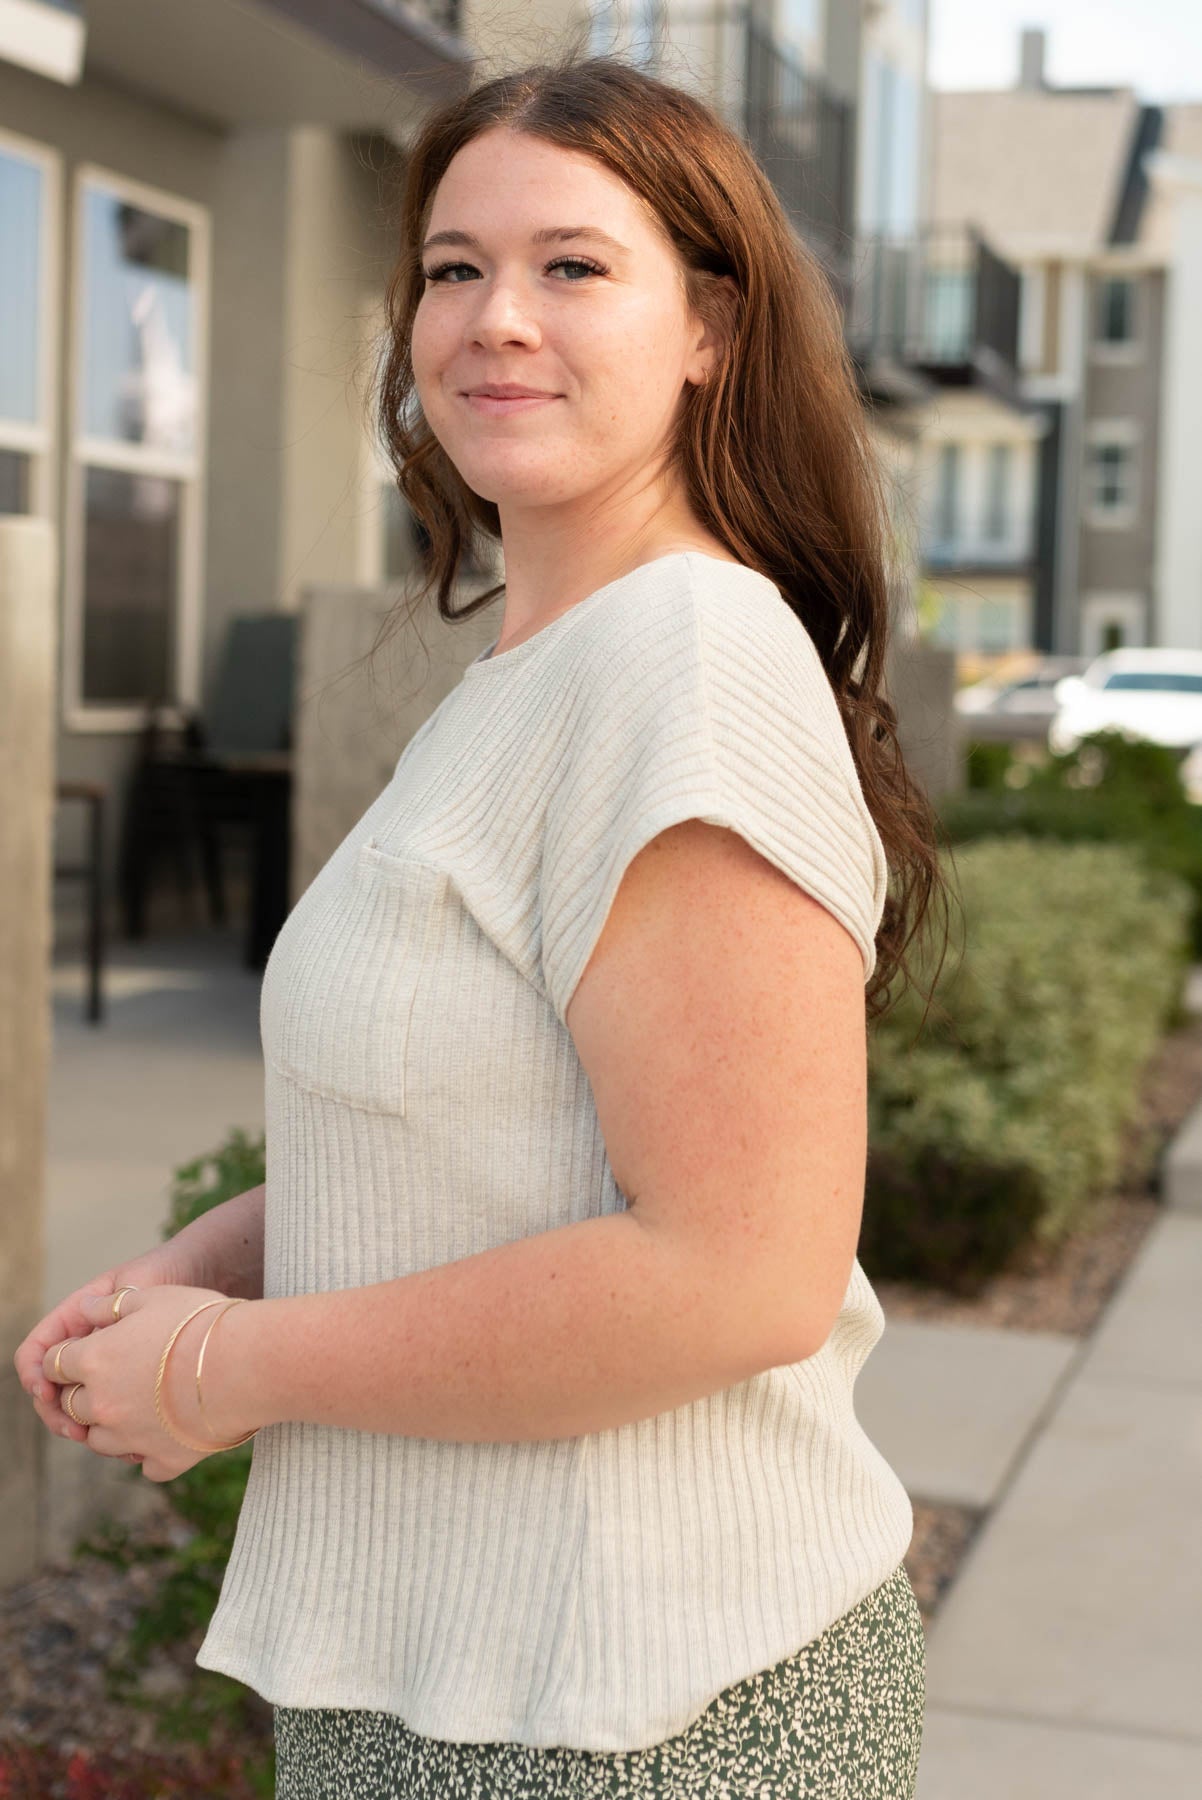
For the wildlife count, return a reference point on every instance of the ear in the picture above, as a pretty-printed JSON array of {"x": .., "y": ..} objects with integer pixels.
[{"x": 717, "y": 316}]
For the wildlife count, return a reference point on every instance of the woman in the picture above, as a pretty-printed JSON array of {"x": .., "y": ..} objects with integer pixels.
[{"x": 551, "y": 1306}]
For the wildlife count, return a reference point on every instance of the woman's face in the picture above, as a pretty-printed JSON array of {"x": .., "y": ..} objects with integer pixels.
[{"x": 600, "y": 328}]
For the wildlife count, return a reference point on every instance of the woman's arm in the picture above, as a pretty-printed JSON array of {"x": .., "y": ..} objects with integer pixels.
[
  {"x": 721, "y": 1025},
  {"x": 223, "y": 1248}
]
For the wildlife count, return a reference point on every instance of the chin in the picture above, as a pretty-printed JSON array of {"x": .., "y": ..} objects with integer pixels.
[{"x": 514, "y": 487}]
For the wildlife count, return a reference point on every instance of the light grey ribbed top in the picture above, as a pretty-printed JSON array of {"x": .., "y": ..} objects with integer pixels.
[{"x": 424, "y": 1101}]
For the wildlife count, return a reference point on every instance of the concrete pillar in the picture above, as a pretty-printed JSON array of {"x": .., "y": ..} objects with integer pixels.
[
  {"x": 353, "y": 718},
  {"x": 920, "y": 680},
  {"x": 28, "y": 652}
]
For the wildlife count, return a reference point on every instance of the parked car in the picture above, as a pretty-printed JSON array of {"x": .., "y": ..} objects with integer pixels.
[
  {"x": 1154, "y": 694},
  {"x": 1020, "y": 707}
]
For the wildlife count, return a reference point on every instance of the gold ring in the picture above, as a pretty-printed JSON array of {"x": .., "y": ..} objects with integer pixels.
[
  {"x": 58, "y": 1368},
  {"x": 119, "y": 1296},
  {"x": 68, "y": 1395}
]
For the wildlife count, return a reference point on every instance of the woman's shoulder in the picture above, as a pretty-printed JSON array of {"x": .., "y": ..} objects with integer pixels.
[
  {"x": 681, "y": 616},
  {"x": 675, "y": 607}
]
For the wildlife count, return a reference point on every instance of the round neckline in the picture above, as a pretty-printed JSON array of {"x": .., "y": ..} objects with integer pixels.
[{"x": 480, "y": 664}]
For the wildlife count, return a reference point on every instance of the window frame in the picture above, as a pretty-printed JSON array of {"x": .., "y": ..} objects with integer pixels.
[
  {"x": 189, "y": 470},
  {"x": 999, "y": 452},
  {"x": 950, "y": 452},
  {"x": 1127, "y": 607},
  {"x": 40, "y": 441},
  {"x": 1126, "y": 434},
  {"x": 1116, "y": 350}
]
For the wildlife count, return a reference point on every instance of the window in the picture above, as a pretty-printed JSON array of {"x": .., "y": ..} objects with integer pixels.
[
  {"x": 1160, "y": 681},
  {"x": 889, "y": 152},
  {"x": 950, "y": 300},
  {"x": 982, "y": 624},
  {"x": 998, "y": 482},
  {"x": 1111, "y": 620},
  {"x": 947, "y": 495},
  {"x": 632, "y": 29},
  {"x": 28, "y": 207},
  {"x": 798, "y": 26},
  {"x": 1110, "y": 475},
  {"x": 132, "y": 623},
  {"x": 1115, "y": 321}
]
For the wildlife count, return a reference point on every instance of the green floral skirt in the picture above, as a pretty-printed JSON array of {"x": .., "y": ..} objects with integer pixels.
[{"x": 840, "y": 1719}]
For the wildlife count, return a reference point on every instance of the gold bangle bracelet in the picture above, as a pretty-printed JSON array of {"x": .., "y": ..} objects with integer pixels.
[
  {"x": 205, "y": 1449},
  {"x": 236, "y": 1301}
]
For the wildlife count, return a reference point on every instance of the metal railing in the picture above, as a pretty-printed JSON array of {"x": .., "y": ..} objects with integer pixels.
[
  {"x": 943, "y": 300},
  {"x": 799, "y": 130}
]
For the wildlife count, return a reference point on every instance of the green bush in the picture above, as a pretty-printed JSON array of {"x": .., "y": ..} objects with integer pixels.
[
  {"x": 1002, "y": 1119},
  {"x": 207, "y": 1498},
  {"x": 1111, "y": 789}
]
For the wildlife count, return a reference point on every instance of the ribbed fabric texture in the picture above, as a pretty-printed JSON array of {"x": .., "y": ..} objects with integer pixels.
[{"x": 424, "y": 1101}]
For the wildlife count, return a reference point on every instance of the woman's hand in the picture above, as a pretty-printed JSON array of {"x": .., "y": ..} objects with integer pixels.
[
  {"x": 165, "y": 1265},
  {"x": 118, "y": 1364}
]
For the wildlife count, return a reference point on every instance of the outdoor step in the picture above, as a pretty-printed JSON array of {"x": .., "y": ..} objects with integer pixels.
[
  {"x": 1142, "y": 1335},
  {"x": 951, "y": 1407},
  {"x": 1181, "y": 1167}
]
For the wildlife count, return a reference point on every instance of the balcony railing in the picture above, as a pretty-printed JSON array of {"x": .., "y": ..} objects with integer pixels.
[
  {"x": 943, "y": 302},
  {"x": 800, "y": 131}
]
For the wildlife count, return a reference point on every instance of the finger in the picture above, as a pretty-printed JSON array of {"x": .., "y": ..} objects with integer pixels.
[
  {"x": 77, "y": 1411},
  {"x": 59, "y": 1365},
  {"x": 104, "y": 1440},
  {"x": 53, "y": 1413},
  {"x": 67, "y": 1320},
  {"x": 97, "y": 1309}
]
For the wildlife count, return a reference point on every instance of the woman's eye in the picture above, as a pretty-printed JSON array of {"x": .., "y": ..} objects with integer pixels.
[
  {"x": 575, "y": 262},
  {"x": 443, "y": 270},
  {"x": 578, "y": 262}
]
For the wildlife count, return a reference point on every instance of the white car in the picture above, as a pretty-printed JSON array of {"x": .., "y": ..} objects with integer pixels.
[{"x": 1155, "y": 694}]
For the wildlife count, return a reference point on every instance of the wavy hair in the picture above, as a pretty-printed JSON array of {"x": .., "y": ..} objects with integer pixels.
[{"x": 774, "y": 451}]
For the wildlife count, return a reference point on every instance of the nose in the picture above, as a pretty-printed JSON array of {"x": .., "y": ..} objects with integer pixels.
[{"x": 500, "y": 317}]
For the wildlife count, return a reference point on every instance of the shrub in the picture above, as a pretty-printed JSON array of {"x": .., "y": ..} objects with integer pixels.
[
  {"x": 207, "y": 1499},
  {"x": 1003, "y": 1118},
  {"x": 1111, "y": 789}
]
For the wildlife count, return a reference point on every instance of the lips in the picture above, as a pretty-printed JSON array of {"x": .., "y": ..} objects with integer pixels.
[
  {"x": 508, "y": 391},
  {"x": 502, "y": 405}
]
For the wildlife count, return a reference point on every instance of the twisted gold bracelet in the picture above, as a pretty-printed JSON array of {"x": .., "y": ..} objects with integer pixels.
[{"x": 206, "y": 1449}]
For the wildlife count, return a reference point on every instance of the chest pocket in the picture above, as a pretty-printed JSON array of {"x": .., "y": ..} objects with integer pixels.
[{"x": 337, "y": 1003}]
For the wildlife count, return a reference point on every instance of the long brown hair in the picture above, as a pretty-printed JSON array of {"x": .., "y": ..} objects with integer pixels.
[{"x": 774, "y": 450}]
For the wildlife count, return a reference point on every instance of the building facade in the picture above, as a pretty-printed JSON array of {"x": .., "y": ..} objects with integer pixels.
[{"x": 1087, "y": 192}]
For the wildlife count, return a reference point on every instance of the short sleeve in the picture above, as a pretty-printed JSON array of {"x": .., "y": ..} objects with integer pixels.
[{"x": 715, "y": 707}]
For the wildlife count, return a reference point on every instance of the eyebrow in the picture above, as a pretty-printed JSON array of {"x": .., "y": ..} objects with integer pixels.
[{"x": 549, "y": 234}]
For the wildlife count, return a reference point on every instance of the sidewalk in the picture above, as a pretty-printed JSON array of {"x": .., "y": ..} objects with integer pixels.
[{"x": 1066, "y": 1659}]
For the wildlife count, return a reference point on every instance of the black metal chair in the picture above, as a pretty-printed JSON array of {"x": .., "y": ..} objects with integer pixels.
[
  {"x": 90, "y": 870},
  {"x": 232, "y": 767}
]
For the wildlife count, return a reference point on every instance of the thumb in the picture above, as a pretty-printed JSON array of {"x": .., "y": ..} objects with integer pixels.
[{"x": 98, "y": 1308}]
